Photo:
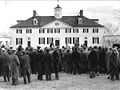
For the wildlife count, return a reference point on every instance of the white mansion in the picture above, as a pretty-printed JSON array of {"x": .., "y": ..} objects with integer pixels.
[{"x": 61, "y": 30}]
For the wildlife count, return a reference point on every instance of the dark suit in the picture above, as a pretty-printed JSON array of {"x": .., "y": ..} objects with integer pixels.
[
  {"x": 6, "y": 67},
  {"x": 48, "y": 65},
  {"x": 56, "y": 62},
  {"x": 40, "y": 65},
  {"x": 26, "y": 68},
  {"x": 83, "y": 62},
  {"x": 15, "y": 64},
  {"x": 114, "y": 66},
  {"x": 75, "y": 60}
]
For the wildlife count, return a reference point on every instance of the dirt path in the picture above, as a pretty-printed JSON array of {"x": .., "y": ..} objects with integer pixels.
[{"x": 66, "y": 82}]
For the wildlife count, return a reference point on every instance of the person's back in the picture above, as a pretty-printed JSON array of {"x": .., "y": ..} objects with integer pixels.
[
  {"x": 40, "y": 65},
  {"x": 48, "y": 65},
  {"x": 6, "y": 67},
  {"x": 25, "y": 62},
  {"x": 14, "y": 68},
  {"x": 114, "y": 65},
  {"x": 26, "y": 68},
  {"x": 56, "y": 62},
  {"x": 92, "y": 58}
]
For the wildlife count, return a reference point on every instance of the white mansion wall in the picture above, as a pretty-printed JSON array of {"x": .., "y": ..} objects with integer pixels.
[{"x": 34, "y": 36}]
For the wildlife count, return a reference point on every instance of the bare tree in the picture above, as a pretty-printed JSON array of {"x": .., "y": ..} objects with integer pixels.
[{"x": 111, "y": 29}]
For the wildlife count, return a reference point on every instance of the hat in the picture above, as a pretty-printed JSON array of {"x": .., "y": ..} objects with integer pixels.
[{"x": 3, "y": 49}]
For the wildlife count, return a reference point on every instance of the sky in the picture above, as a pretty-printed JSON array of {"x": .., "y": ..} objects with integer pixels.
[{"x": 107, "y": 11}]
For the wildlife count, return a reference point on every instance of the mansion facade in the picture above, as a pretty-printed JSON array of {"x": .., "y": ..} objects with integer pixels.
[{"x": 61, "y": 30}]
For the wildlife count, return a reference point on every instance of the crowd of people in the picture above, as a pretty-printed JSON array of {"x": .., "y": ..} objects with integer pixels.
[{"x": 16, "y": 63}]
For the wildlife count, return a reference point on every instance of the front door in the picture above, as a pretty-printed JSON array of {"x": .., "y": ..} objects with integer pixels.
[
  {"x": 85, "y": 43},
  {"x": 57, "y": 42},
  {"x": 29, "y": 43}
]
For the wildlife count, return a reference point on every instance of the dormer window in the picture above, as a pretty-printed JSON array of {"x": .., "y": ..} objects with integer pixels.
[
  {"x": 79, "y": 20},
  {"x": 35, "y": 21}
]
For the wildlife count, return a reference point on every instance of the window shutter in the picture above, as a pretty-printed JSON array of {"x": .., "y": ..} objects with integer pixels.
[
  {"x": 39, "y": 40},
  {"x": 70, "y": 30},
  {"x": 21, "y": 41},
  {"x": 52, "y": 39},
  {"x": 43, "y": 30},
  {"x": 93, "y": 40},
  {"x": 44, "y": 40},
  {"x": 16, "y": 41},
  {"x": 70, "y": 40},
  {"x": 73, "y": 40},
  {"x": 65, "y": 41},
  {"x": 47, "y": 40},
  {"x": 59, "y": 30},
  {"x": 65, "y": 30},
  {"x": 87, "y": 30},
  {"x": 97, "y": 40}
]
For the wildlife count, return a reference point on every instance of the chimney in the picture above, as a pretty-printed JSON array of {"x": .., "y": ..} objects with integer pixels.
[
  {"x": 34, "y": 13},
  {"x": 81, "y": 12}
]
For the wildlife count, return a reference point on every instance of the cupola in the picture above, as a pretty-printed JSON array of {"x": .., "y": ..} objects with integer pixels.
[{"x": 58, "y": 12}]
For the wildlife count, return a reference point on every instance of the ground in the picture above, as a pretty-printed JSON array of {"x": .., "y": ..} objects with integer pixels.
[{"x": 66, "y": 82}]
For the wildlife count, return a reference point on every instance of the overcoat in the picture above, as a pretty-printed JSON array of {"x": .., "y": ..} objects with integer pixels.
[
  {"x": 56, "y": 60},
  {"x": 15, "y": 64},
  {"x": 41, "y": 63},
  {"x": 107, "y": 58},
  {"x": 113, "y": 64},
  {"x": 48, "y": 63},
  {"x": 5, "y": 64},
  {"x": 25, "y": 64},
  {"x": 83, "y": 60},
  {"x": 92, "y": 58},
  {"x": 34, "y": 57}
]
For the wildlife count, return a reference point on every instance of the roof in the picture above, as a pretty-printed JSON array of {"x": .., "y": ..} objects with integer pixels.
[{"x": 71, "y": 20}]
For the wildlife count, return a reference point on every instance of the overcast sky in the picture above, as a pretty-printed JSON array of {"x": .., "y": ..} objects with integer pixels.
[{"x": 11, "y": 10}]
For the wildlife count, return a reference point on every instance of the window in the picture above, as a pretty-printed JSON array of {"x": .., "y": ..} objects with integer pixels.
[
  {"x": 95, "y": 30},
  {"x": 18, "y": 41},
  {"x": 28, "y": 30},
  {"x": 67, "y": 30},
  {"x": 68, "y": 40},
  {"x": 95, "y": 40},
  {"x": 19, "y": 31},
  {"x": 75, "y": 30},
  {"x": 85, "y": 30},
  {"x": 79, "y": 20},
  {"x": 49, "y": 40},
  {"x": 56, "y": 30},
  {"x": 56, "y": 24},
  {"x": 41, "y": 30},
  {"x": 35, "y": 21},
  {"x": 41, "y": 40},
  {"x": 49, "y": 30},
  {"x": 75, "y": 40}
]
